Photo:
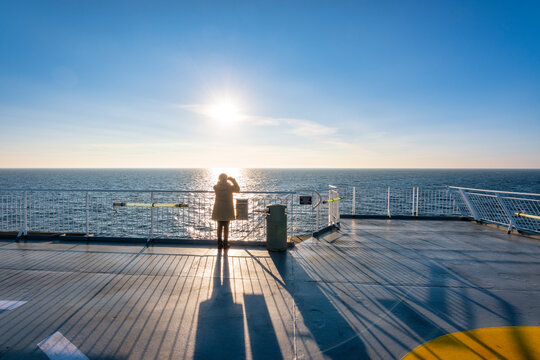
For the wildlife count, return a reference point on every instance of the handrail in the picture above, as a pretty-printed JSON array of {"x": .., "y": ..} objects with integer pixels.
[
  {"x": 493, "y": 191},
  {"x": 527, "y": 215},
  {"x": 150, "y": 191},
  {"x": 520, "y": 211},
  {"x": 169, "y": 213}
]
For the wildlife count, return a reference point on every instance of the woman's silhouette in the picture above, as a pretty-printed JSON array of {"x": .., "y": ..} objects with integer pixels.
[{"x": 223, "y": 211}]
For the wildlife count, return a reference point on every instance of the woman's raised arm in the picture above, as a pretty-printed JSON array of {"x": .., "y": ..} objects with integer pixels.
[{"x": 235, "y": 188}]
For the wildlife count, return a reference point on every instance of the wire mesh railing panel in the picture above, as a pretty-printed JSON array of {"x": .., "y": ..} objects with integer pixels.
[
  {"x": 56, "y": 212},
  {"x": 107, "y": 220},
  {"x": 397, "y": 201},
  {"x": 302, "y": 216},
  {"x": 435, "y": 202},
  {"x": 489, "y": 208},
  {"x": 372, "y": 201},
  {"x": 525, "y": 212},
  {"x": 514, "y": 210},
  {"x": 151, "y": 214},
  {"x": 11, "y": 211},
  {"x": 400, "y": 201}
]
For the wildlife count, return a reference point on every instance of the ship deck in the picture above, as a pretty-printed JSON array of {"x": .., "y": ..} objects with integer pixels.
[{"x": 374, "y": 289}]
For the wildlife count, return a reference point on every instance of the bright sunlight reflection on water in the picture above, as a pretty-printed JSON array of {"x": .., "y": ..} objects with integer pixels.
[{"x": 234, "y": 172}]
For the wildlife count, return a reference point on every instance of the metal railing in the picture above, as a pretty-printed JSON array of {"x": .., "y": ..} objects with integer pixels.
[
  {"x": 520, "y": 211},
  {"x": 150, "y": 214},
  {"x": 397, "y": 201},
  {"x": 175, "y": 214}
]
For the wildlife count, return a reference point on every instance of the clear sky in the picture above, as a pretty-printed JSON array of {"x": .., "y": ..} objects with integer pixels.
[{"x": 270, "y": 84}]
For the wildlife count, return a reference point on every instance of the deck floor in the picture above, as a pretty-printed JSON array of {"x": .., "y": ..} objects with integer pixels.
[{"x": 375, "y": 289}]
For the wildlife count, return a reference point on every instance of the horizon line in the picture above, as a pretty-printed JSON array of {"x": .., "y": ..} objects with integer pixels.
[{"x": 266, "y": 168}]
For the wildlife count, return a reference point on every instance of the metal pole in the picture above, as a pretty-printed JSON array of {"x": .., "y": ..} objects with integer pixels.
[
  {"x": 87, "y": 217},
  {"x": 388, "y": 207},
  {"x": 470, "y": 206},
  {"x": 293, "y": 218},
  {"x": 311, "y": 215},
  {"x": 354, "y": 200},
  {"x": 317, "y": 219},
  {"x": 417, "y": 195},
  {"x": 508, "y": 213},
  {"x": 25, "y": 213},
  {"x": 25, "y": 218},
  {"x": 412, "y": 210},
  {"x": 151, "y": 219}
]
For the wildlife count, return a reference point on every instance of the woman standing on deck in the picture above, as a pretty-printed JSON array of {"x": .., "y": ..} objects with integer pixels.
[{"x": 223, "y": 211}]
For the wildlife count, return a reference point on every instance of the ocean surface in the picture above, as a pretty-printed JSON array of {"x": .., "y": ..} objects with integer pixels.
[{"x": 267, "y": 179}]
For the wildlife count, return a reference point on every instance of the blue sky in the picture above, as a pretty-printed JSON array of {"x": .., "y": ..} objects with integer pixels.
[{"x": 270, "y": 84}]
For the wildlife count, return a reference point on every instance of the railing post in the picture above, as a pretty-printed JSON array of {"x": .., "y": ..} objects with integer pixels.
[
  {"x": 311, "y": 215},
  {"x": 511, "y": 222},
  {"x": 317, "y": 227},
  {"x": 25, "y": 213},
  {"x": 87, "y": 217},
  {"x": 388, "y": 206},
  {"x": 417, "y": 198},
  {"x": 354, "y": 200},
  {"x": 292, "y": 218},
  {"x": 470, "y": 206},
  {"x": 24, "y": 225},
  {"x": 151, "y": 232},
  {"x": 413, "y": 193}
]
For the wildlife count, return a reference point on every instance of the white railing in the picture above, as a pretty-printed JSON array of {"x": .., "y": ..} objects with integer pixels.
[
  {"x": 150, "y": 214},
  {"x": 397, "y": 201},
  {"x": 520, "y": 211},
  {"x": 333, "y": 202}
]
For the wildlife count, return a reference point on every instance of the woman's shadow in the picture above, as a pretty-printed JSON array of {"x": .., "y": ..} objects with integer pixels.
[{"x": 220, "y": 326}]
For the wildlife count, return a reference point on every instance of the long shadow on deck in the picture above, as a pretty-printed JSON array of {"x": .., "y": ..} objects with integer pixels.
[
  {"x": 220, "y": 326},
  {"x": 335, "y": 338}
]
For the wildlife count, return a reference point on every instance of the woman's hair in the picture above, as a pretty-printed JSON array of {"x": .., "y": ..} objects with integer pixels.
[{"x": 223, "y": 177}]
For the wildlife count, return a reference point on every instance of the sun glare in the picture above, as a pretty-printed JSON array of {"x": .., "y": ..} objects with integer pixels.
[
  {"x": 234, "y": 172},
  {"x": 224, "y": 112}
]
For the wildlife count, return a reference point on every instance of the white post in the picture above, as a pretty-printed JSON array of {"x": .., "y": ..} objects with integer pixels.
[
  {"x": 87, "y": 217},
  {"x": 330, "y": 208},
  {"x": 412, "y": 210},
  {"x": 25, "y": 213},
  {"x": 417, "y": 195},
  {"x": 292, "y": 218},
  {"x": 311, "y": 215},
  {"x": 338, "y": 213},
  {"x": 354, "y": 200},
  {"x": 24, "y": 228},
  {"x": 388, "y": 206},
  {"x": 508, "y": 213},
  {"x": 151, "y": 232},
  {"x": 470, "y": 206},
  {"x": 317, "y": 219}
]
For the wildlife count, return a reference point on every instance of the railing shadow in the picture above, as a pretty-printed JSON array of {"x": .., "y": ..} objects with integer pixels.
[
  {"x": 334, "y": 336},
  {"x": 421, "y": 293}
]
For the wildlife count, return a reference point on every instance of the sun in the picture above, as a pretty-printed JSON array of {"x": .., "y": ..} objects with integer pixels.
[{"x": 224, "y": 112}]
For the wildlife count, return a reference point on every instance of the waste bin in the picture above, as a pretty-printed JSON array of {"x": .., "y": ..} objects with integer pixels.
[{"x": 276, "y": 227}]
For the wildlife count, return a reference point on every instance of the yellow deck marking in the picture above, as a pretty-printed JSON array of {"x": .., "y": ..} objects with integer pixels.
[{"x": 509, "y": 342}]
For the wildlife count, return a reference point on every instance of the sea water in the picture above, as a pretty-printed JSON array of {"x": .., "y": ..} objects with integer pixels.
[
  {"x": 268, "y": 179},
  {"x": 80, "y": 211}
]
